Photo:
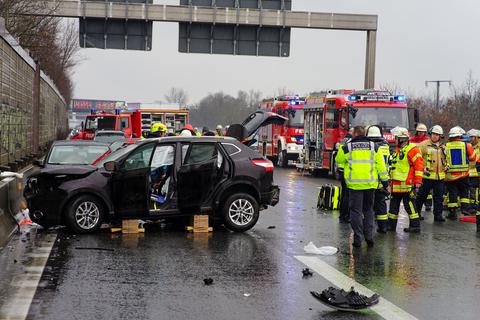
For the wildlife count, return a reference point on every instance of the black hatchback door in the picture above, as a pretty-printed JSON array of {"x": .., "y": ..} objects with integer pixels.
[
  {"x": 198, "y": 175},
  {"x": 131, "y": 186}
]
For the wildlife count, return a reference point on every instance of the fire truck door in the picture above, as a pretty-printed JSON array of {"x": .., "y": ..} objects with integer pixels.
[{"x": 331, "y": 125}]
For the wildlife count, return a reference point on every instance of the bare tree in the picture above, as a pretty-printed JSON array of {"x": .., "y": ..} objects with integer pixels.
[{"x": 177, "y": 95}]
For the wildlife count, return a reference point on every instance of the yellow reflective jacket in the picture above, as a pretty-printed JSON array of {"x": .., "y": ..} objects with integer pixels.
[
  {"x": 364, "y": 166},
  {"x": 472, "y": 166}
]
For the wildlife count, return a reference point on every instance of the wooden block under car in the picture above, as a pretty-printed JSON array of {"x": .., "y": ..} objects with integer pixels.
[
  {"x": 200, "y": 224},
  {"x": 131, "y": 226}
]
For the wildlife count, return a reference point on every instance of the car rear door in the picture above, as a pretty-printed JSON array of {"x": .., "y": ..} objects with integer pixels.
[
  {"x": 198, "y": 175},
  {"x": 131, "y": 185}
]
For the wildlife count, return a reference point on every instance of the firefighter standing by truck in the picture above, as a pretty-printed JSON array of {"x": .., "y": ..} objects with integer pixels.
[
  {"x": 473, "y": 173},
  {"x": 434, "y": 161},
  {"x": 406, "y": 175},
  {"x": 459, "y": 154},
  {"x": 419, "y": 137},
  {"x": 380, "y": 204},
  {"x": 364, "y": 167},
  {"x": 344, "y": 212}
]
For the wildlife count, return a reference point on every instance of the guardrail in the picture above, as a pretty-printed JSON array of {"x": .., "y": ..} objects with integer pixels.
[{"x": 10, "y": 203}]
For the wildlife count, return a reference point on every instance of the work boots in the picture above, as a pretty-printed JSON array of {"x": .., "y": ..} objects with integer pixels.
[
  {"x": 382, "y": 226},
  {"x": 452, "y": 215},
  {"x": 392, "y": 225},
  {"x": 414, "y": 226},
  {"x": 439, "y": 218}
]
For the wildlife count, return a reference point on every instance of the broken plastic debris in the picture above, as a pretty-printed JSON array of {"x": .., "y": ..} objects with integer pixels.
[
  {"x": 340, "y": 299},
  {"x": 7, "y": 174},
  {"x": 307, "y": 273},
  {"x": 246, "y": 294},
  {"x": 208, "y": 281},
  {"x": 326, "y": 251}
]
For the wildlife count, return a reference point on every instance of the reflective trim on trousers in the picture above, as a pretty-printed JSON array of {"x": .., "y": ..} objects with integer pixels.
[
  {"x": 414, "y": 214},
  {"x": 464, "y": 200},
  {"x": 452, "y": 205},
  {"x": 392, "y": 216},
  {"x": 382, "y": 217}
]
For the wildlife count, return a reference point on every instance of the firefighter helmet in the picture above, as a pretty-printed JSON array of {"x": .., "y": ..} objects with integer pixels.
[
  {"x": 158, "y": 127},
  {"x": 421, "y": 128},
  {"x": 456, "y": 132},
  {"x": 400, "y": 132},
  {"x": 473, "y": 133},
  {"x": 436, "y": 129},
  {"x": 374, "y": 132}
]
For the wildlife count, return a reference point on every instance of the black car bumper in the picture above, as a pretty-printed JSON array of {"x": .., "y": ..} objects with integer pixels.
[{"x": 272, "y": 197}]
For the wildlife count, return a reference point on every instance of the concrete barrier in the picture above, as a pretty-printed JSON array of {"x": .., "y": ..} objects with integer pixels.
[{"x": 11, "y": 199}]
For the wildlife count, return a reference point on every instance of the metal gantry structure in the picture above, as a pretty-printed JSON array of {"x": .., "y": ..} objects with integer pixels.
[{"x": 226, "y": 16}]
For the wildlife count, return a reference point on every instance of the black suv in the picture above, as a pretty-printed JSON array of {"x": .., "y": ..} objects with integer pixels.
[{"x": 160, "y": 178}]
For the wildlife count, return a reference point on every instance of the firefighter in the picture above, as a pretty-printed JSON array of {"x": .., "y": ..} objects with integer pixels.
[
  {"x": 375, "y": 134},
  {"x": 406, "y": 175},
  {"x": 458, "y": 154},
  {"x": 434, "y": 161},
  {"x": 344, "y": 212},
  {"x": 419, "y": 137},
  {"x": 219, "y": 131},
  {"x": 473, "y": 179},
  {"x": 158, "y": 130},
  {"x": 363, "y": 167}
]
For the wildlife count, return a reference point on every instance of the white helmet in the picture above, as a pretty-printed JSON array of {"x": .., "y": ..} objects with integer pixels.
[
  {"x": 456, "y": 132},
  {"x": 421, "y": 128},
  {"x": 473, "y": 133},
  {"x": 219, "y": 127},
  {"x": 186, "y": 133},
  {"x": 436, "y": 129},
  {"x": 400, "y": 132},
  {"x": 373, "y": 132}
]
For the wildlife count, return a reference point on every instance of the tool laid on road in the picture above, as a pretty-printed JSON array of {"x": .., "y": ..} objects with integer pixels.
[
  {"x": 342, "y": 300},
  {"x": 329, "y": 197}
]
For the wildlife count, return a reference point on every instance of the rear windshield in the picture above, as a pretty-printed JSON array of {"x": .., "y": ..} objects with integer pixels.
[
  {"x": 100, "y": 123},
  {"x": 78, "y": 154}
]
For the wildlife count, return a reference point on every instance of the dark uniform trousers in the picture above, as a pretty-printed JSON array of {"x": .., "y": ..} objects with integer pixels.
[
  {"x": 362, "y": 217},
  {"x": 458, "y": 188},
  {"x": 380, "y": 209},
  {"x": 395, "y": 209},
  {"x": 438, "y": 188},
  {"x": 344, "y": 213}
]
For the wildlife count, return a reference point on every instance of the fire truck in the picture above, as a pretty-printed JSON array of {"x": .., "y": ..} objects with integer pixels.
[
  {"x": 329, "y": 115},
  {"x": 282, "y": 143},
  {"x": 132, "y": 123}
]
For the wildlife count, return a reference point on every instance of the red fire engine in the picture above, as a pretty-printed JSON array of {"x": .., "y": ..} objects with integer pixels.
[
  {"x": 329, "y": 115},
  {"x": 282, "y": 143},
  {"x": 133, "y": 123}
]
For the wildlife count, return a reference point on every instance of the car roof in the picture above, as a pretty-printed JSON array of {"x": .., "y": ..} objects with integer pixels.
[
  {"x": 79, "y": 142},
  {"x": 109, "y": 132},
  {"x": 195, "y": 139}
]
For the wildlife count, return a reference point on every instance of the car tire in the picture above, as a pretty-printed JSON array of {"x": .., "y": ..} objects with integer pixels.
[
  {"x": 84, "y": 214},
  {"x": 236, "y": 218},
  {"x": 282, "y": 157}
]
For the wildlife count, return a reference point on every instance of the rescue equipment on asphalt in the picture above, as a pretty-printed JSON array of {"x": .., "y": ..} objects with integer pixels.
[
  {"x": 329, "y": 197},
  {"x": 342, "y": 300}
]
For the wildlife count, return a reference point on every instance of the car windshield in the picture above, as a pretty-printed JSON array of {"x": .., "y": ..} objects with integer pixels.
[
  {"x": 109, "y": 137},
  {"x": 296, "y": 118},
  {"x": 76, "y": 154},
  {"x": 120, "y": 152},
  {"x": 100, "y": 123},
  {"x": 386, "y": 117}
]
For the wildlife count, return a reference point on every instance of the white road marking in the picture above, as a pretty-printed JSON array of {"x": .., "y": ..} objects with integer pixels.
[
  {"x": 384, "y": 308},
  {"x": 25, "y": 285}
]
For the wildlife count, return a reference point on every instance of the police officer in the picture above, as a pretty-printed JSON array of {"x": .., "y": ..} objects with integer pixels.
[
  {"x": 344, "y": 212},
  {"x": 363, "y": 166},
  {"x": 434, "y": 161},
  {"x": 406, "y": 175},
  {"x": 458, "y": 154},
  {"x": 474, "y": 135},
  {"x": 374, "y": 133}
]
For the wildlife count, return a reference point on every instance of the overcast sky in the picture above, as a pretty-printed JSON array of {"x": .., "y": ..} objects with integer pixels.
[{"x": 417, "y": 40}]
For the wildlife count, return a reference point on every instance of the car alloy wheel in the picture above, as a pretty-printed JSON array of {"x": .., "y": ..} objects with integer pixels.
[
  {"x": 87, "y": 215},
  {"x": 241, "y": 212}
]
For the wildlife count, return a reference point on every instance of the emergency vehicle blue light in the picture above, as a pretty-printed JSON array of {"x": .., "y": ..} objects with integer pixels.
[
  {"x": 117, "y": 111},
  {"x": 399, "y": 98},
  {"x": 352, "y": 98},
  {"x": 93, "y": 111},
  {"x": 293, "y": 102}
]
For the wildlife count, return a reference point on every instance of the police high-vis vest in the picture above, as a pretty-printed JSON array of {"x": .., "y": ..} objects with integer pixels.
[
  {"x": 364, "y": 165},
  {"x": 457, "y": 156}
]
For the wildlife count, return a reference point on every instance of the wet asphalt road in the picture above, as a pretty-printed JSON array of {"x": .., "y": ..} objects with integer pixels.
[{"x": 159, "y": 274}]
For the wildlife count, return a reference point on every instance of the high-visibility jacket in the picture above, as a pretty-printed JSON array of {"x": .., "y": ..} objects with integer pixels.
[
  {"x": 384, "y": 150},
  {"x": 340, "y": 154},
  {"x": 472, "y": 166},
  {"x": 434, "y": 160},
  {"x": 364, "y": 165},
  {"x": 407, "y": 168},
  {"x": 458, "y": 154}
]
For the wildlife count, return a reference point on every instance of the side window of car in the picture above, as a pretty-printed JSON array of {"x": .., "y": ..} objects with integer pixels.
[
  {"x": 231, "y": 149},
  {"x": 185, "y": 147},
  {"x": 164, "y": 155},
  {"x": 139, "y": 158},
  {"x": 201, "y": 152}
]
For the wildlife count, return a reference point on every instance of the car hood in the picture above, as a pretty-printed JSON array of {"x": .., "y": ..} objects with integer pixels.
[
  {"x": 67, "y": 170},
  {"x": 254, "y": 122}
]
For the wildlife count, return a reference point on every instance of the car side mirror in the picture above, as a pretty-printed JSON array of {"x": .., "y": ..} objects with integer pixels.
[
  {"x": 38, "y": 163},
  {"x": 110, "y": 166}
]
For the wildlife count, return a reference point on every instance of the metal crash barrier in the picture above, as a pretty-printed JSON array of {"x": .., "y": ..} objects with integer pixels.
[{"x": 10, "y": 203}]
